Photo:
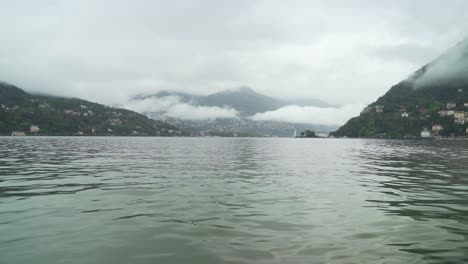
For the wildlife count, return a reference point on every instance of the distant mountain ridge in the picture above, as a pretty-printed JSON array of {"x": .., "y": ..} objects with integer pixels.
[
  {"x": 49, "y": 115},
  {"x": 244, "y": 99},
  {"x": 434, "y": 98}
]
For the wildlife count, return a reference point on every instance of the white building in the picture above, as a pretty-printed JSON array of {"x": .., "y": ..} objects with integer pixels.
[
  {"x": 34, "y": 129},
  {"x": 451, "y": 105},
  {"x": 437, "y": 128},
  {"x": 17, "y": 134},
  {"x": 446, "y": 112},
  {"x": 460, "y": 121},
  {"x": 459, "y": 115},
  {"x": 379, "y": 108},
  {"x": 425, "y": 133},
  {"x": 404, "y": 114}
]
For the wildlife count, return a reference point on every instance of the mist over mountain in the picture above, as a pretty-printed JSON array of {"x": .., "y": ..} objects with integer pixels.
[
  {"x": 50, "y": 115},
  {"x": 452, "y": 66},
  {"x": 240, "y": 111},
  {"x": 244, "y": 99}
]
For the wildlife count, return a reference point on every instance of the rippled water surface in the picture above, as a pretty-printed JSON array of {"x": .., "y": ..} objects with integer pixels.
[{"x": 232, "y": 200}]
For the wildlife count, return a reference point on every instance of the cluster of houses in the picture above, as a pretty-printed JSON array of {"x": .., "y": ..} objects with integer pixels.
[
  {"x": 451, "y": 109},
  {"x": 459, "y": 117}
]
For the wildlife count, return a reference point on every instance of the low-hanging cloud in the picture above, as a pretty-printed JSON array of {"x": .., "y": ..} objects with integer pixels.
[
  {"x": 310, "y": 114},
  {"x": 172, "y": 106},
  {"x": 453, "y": 65}
]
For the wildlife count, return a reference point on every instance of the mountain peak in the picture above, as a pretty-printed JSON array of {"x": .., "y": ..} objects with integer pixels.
[
  {"x": 245, "y": 89},
  {"x": 239, "y": 90}
]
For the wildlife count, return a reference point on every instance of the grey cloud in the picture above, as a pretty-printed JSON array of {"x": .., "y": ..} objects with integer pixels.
[
  {"x": 451, "y": 65},
  {"x": 340, "y": 52},
  {"x": 310, "y": 114}
]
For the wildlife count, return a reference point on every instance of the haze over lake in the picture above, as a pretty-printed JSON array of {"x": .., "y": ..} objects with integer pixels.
[{"x": 232, "y": 200}]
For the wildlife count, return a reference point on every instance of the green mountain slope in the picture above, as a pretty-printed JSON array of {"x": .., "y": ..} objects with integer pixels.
[
  {"x": 433, "y": 98},
  {"x": 47, "y": 115}
]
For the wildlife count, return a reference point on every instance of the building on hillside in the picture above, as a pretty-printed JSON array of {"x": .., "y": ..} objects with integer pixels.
[
  {"x": 379, "y": 108},
  {"x": 459, "y": 115},
  {"x": 451, "y": 105},
  {"x": 425, "y": 133},
  {"x": 18, "y": 134},
  {"x": 404, "y": 114},
  {"x": 115, "y": 122},
  {"x": 446, "y": 112},
  {"x": 465, "y": 104},
  {"x": 437, "y": 128},
  {"x": 34, "y": 129},
  {"x": 460, "y": 121}
]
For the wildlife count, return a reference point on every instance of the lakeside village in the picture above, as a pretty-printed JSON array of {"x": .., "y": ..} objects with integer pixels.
[
  {"x": 113, "y": 122},
  {"x": 452, "y": 112}
]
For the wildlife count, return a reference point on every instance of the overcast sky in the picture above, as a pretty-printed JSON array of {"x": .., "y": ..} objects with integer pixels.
[{"x": 343, "y": 52}]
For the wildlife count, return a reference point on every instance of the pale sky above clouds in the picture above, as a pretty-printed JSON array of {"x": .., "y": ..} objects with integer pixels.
[{"x": 343, "y": 52}]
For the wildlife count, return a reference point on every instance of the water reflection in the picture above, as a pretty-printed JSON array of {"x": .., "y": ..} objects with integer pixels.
[{"x": 426, "y": 181}]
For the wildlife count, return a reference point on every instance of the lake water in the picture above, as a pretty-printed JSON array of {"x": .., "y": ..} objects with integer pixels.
[{"x": 232, "y": 200}]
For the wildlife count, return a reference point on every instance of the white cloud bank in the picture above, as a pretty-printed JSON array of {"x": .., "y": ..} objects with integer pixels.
[
  {"x": 311, "y": 114},
  {"x": 171, "y": 106}
]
